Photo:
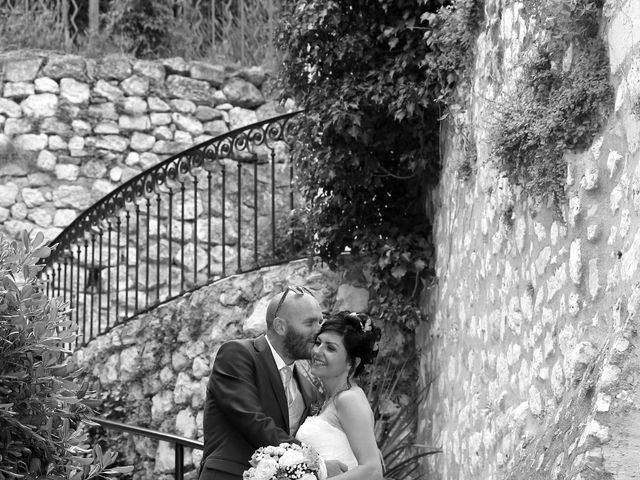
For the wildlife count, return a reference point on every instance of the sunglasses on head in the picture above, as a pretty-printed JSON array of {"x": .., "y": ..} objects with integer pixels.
[{"x": 295, "y": 289}]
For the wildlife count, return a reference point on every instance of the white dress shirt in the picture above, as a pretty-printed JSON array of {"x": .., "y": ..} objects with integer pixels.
[{"x": 292, "y": 392}]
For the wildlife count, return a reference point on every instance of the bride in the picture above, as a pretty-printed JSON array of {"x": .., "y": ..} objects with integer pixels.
[{"x": 344, "y": 429}]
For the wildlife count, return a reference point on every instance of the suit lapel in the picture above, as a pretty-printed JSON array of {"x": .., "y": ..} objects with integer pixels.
[{"x": 264, "y": 352}]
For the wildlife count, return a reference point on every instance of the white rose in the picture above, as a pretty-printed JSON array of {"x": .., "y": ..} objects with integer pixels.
[
  {"x": 266, "y": 469},
  {"x": 291, "y": 458}
]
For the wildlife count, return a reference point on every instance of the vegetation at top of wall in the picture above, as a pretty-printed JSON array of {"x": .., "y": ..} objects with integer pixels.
[
  {"x": 562, "y": 101},
  {"x": 42, "y": 406},
  {"x": 151, "y": 29},
  {"x": 237, "y": 30},
  {"x": 374, "y": 78}
]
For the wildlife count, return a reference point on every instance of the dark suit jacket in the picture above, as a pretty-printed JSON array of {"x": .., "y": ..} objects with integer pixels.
[{"x": 246, "y": 407}]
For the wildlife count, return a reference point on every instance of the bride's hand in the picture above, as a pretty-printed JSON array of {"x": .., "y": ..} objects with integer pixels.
[{"x": 335, "y": 467}]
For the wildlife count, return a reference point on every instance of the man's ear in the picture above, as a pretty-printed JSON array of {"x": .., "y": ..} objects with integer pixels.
[{"x": 280, "y": 326}]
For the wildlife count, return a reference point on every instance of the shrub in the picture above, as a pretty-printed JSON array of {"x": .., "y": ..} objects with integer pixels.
[
  {"x": 42, "y": 407},
  {"x": 564, "y": 99},
  {"x": 30, "y": 27},
  {"x": 373, "y": 77}
]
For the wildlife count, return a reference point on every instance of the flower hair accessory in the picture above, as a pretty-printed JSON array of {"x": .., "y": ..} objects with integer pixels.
[{"x": 366, "y": 325}]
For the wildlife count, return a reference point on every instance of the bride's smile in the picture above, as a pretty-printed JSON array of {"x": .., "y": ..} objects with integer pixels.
[{"x": 329, "y": 356}]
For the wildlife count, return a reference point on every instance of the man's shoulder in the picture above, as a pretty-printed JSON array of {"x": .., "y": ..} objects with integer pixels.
[{"x": 240, "y": 344}]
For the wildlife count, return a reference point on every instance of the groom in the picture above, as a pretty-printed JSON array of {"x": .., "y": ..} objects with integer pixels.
[{"x": 256, "y": 397}]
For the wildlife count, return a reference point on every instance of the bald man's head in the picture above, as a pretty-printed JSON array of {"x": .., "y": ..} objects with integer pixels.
[{"x": 293, "y": 321}]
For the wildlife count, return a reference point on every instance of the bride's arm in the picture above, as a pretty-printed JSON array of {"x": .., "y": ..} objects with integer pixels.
[{"x": 356, "y": 418}]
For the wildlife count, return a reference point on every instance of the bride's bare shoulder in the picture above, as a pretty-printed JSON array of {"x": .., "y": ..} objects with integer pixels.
[{"x": 352, "y": 398}]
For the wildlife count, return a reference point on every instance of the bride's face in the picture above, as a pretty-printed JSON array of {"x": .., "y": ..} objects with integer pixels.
[{"x": 329, "y": 356}]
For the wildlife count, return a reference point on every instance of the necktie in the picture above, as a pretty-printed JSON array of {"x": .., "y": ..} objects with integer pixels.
[
  {"x": 295, "y": 402},
  {"x": 287, "y": 375}
]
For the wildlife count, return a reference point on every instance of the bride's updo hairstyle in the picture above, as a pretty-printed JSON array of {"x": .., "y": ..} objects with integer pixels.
[{"x": 359, "y": 334}]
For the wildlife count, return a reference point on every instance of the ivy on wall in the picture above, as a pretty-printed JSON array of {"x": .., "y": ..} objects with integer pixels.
[
  {"x": 564, "y": 98},
  {"x": 374, "y": 78}
]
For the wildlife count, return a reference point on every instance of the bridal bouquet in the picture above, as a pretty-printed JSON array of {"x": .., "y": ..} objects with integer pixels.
[{"x": 287, "y": 461}]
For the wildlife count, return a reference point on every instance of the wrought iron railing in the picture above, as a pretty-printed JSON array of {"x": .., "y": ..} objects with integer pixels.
[
  {"x": 180, "y": 442},
  {"x": 221, "y": 207}
]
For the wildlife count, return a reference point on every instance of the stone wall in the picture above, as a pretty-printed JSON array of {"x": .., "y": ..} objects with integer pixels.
[
  {"x": 532, "y": 342},
  {"x": 72, "y": 129},
  {"x": 153, "y": 371}
]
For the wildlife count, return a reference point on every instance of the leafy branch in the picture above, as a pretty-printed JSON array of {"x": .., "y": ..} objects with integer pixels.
[
  {"x": 42, "y": 407},
  {"x": 372, "y": 77}
]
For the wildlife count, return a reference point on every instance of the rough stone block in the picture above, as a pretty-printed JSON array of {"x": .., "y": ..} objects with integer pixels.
[
  {"x": 18, "y": 90},
  {"x": 114, "y": 67},
  {"x": 240, "y": 117},
  {"x": 74, "y": 92},
  {"x": 105, "y": 89},
  {"x": 22, "y": 70},
  {"x": 135, "y": 86},
  {"x": 153, "y": 70},
  {"x": 188, "y": 88},
  {"x": 70, "y": 66},
  {"x": 46, "y": 85},
  {"x": 31, "y": 142},
  {"x": 10, "y": 108},
  {"x": 241, "y": 93},
  {"x": 213, "y": 74}
]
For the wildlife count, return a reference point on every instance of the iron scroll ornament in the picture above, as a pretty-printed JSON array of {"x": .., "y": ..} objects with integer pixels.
[{"x": 263, "y": 133}]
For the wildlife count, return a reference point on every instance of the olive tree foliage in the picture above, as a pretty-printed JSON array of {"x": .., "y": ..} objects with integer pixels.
[
  {"x": 42, "y": 406},
  {"x": 374, "y": 77}
]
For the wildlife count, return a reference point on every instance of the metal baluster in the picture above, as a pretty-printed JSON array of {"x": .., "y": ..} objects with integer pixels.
[
  {"x": 137, "y": 289},
  {"x": 84, "y": 290},
  {"x": 77, "y": 292},
  {"x": 158, "y": 248},
  {"x": 209, "y": 217},
  {"x": 224, "y": 220},
  {"x": 179, "y": 456},
  {"x": 100, "y": 234},
  {"x": 94, "y": 277},
  {"x": 63, "y": 286},
  {"x": 46, "y": 279},
  {"x": 126, "y": 266},
  {"x": 170, "y": 237},
  {"x": 147, "y": 240},
  {"x": 109, "y": 230},
  {"x": 118, "y": 231},
  {"x": 239, "y": 196},
  {"x": 71, "y": 304},
  {"x": 273, "y": 203},
  {"x": 194, "y": 232},
  {"x": 182, "y": 191},
  {"x": 255, "y": 212}
]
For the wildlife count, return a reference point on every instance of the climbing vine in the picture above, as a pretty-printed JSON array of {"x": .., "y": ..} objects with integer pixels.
[
  {"x": 374, "y": 78},
  {"x": 564, "y": 97}
]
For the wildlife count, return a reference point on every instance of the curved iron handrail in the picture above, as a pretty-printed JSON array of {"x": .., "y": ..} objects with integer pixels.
[
  {"x": 178, "y": 441},
  {"x": 190, "y": 219}
]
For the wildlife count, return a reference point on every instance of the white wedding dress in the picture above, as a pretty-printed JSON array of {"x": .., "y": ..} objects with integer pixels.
[{"x": 324, "y": 433}]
